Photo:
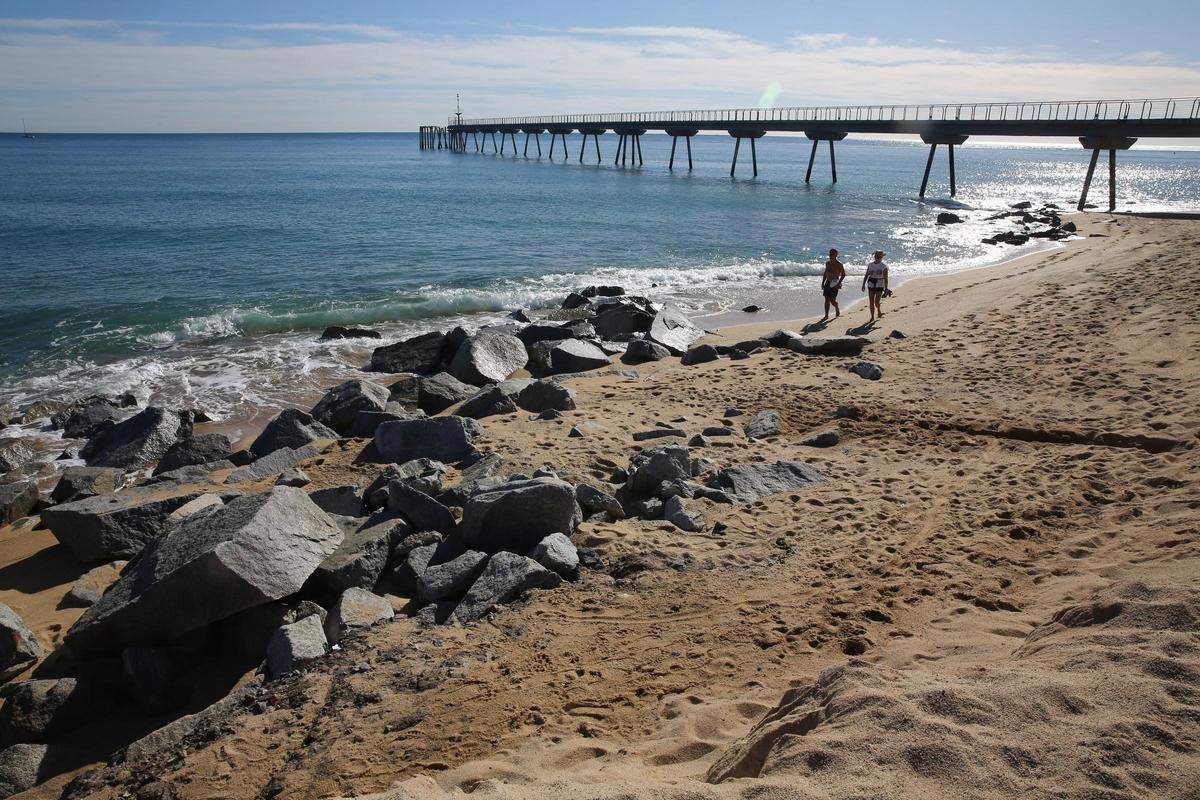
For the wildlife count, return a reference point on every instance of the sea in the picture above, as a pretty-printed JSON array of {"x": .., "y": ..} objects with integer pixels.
[{"x": 197, "y": 271}]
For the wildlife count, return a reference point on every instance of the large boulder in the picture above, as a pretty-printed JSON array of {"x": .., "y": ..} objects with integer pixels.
[
  {"x": 295, "y": 644},
  {"x": 423, "y": 474},
  {"x": 488, "y": 358},
  {"x": 700, "y": 354},
  {"x": 87, "y": 420},
  {"x": 622, "y": 319},
  {"x": 673, "y": 330},
  {"x": 487, "y": 402},
  {"x": 341, "y": 404},
  {"x": 92, "y": 585},
  {"x": 43, "y": 710},
  {"x": 340, "y": 332},
  {"x": 422, "y": 511},
  {"x": 356, "y": 608},
  {"x": 640, "y": 351},
  {"x": 246, "y": 553},
  {"x": 543, "y": 333},
  {"x": 112, "y": 526},
  {"x": 543, "y": 395},
  {"x": 79, "y": 483},
  {"x": 422, "y": 353},
  {"x": 361, "y": 557},
  {"x": 828, "y": 345},
  {"x": 518, "y": 514},
  {"x": 505, "y": 578},
  {"x": 597, "y": 501},
  {"x": 15, "y": 452},
  {"x": 140, "y": 440},
  {"x": 195, "y": 450},
  {"x": 19, "y": 646},
  {"x": 745, "y": 483},
  {"x": 367, "y": 422},
  {"x": 17, "y": 500},
  {"x": 649, "y": 468},
  {"x": 441, "y": 391},
  {"x": 763, "y": 424},
  {"x": 290, "y": 428},
  {"x": 568, "y": 355},
  {"x": 558, "y": 553},
  {"x": 450, "y": 578},
  {"x": 445, "y": 439},
  {"x": 344, "y": 500},
  {"x": 679, "y": 513},
  {"x": 274, "y": 463},
  {"x": 23, "y": 766}
]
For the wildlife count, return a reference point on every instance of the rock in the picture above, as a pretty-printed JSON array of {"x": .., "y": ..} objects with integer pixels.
[
  {"x": 1024, "y": 204},
  {"x": 413, "y": 563},
  {"x": 574, "y": 300},
  {"x": 717, "y": 430},
  {"x": 356, "y": 608},
  {"x": 342, "y": 500},
  {"x": 673, "y": 330},
  {"x": 290, "y": 428},
  {"x": 649, "y": 468},
  {"x": 700, "y": 354},
  {"x": 946, "y": 218},
  {"x": 338, "y": 332},
  {"x": 45, "y": 710},
  {"x": 367, "y": 422},
  {"x": 294, "y": 477},
  {"x": 23, "y": 766},
  {"x": 487, "y": 402},
  {"x": 531, "y": 334},
  {"x": 733, "y": 412},
  {"x": 443, "y": 390},
  {"x": 828, "y": 345},
  {"x": 621, "y": 319},
  {"x": 895, "y": 334},
  {"x": 676, "y": 512},
  {"x": 17, "y": 500},
  {"x": 19, "y": 647},
  {"x": 640, "y": 351},
  {"x": 594, "y": 501},
  {"x": 138, "y": 441},
  {"x": 446, "y": 439},
  {"x": 340, "y": 405},
  {"x": 195, "y": 506},
  {"x": 519, "y": 514},
  {"x": 781, "y": 338},
  {"x": 763, "y": 424},
  {"x": 567, "y": 356},
  {"x": 847, "y": 412},
  {"x": 505, "y": 578},
  {"x": 826, "y": 438},
  {"x": 91, "y": 586},
  {"x": 699, "y": 440},
  {"x": 545, "y": 395},
  {"x": 195, "y": 450},
  {"x": 745, "y": 483},
  {"x": 15, "y": 452},
  {"x": 362, "y": 556},
  {"x": 752, "y": 309},
  {"x": 449, "y": 578},
  {"x": 109, "y": 527},
  {"x": 422, "y": 474},
  {"x": 1069, "y": 227},
  {"x": 157, "y": 677},
  {"x": 169, "y": 737},
  {"x": 658, "y": 433},
  {"x": 738, "y": 355},
  {"x": 557, "y": 553},
  {"x": 88, "y": 420},
  {"x": 423, "y": 353},
  {"x": 422, "y": 511},
  {"x": 41, "y": 409},
  {"x": 274, "y": 463},
  {"x": 488, "y": 358},
  {"x": 252, "y": 550},
  {"x": 868, "y": 370},
  {"x": 295, "y": 644},
  {"x": 405, "y": 390}
]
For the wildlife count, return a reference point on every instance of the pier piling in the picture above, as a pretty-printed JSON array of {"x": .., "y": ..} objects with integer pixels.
[
  {"x": 933, "y": 140},
  {"x": 1112, "y": 144}
]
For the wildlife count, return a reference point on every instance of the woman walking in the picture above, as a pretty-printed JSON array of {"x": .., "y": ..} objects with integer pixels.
[{"x": 875, "y": 283}]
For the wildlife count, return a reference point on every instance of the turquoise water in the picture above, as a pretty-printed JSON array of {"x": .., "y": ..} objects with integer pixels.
[{"x": 200, "y": 269}]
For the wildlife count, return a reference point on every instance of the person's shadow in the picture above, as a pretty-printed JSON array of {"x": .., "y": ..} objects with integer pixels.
[
  {"x": 815, "y": 326},
  {"x": 863, "y": 329}
]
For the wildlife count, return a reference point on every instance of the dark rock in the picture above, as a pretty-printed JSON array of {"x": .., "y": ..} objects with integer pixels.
[
  {"x": 738, "y": 355},
  {"x": 781, "y": 338},
  {"x": 763, "y": 424},
  {"x": 450, "y": 578},
  {"x": 733, "y": 412},
  {"x": 19, "y": 647},
  {"x": 544, "y": 395},
  {"x": 602, "y": 291},
  {"x": 361, "y": 557},
  {"x": 195, "y": 450},
  {"x": 700, "y": 354},
  {"x": 676, "y": 512},
  {"x": 1024, "y": 204},
  {"x": 405, "y": 391},
  {"x": 140, "y": 440},
  {"x": 745, "y": 483},
  {"x": 246, "y": 553},
  {"x": 557, "y": 553},
  {"x": 92, "y": 585},
  {"x": 338, "y": 332},
  {"x": 17, "y": 500},
  {"x": 89, "y": 420},
  {"x": 341, "y": 404},
  {"x": 422, "y": 511},
  {"x": 156, "y": 675},
  {"x": 356, "y": 608},
  {"x": 828, "y": 345},
  {"x": 367, "y": 422},
  {"x": 531, "y": 334},
  {"x": 621, "y": 319},
  {"x": 579, "y": 329},
  {"x": 24, "y": 765},
  {"x": 488, "y": 358},
  {"x": 640, "y": 351},
  {"x": 423, "y": 353},
  {"x": 649, "y": 468},
  {"x": 717, "y": 430},
  {"x": 673, "y": 330},
  {"x": 699, "y": 440},
  {"x": 594, "y": 501},
  {"x": 946, "y": 218},
  {"x": 574, "y": 300},
  {"x": 274, "y": 463},
  {"x": 1069, "y": 227},
  {"x": 487, "y": 402},
  {"x": 753, "y": 309},
  {"x": 108, "y": 527},
  {"x": 658, "y": 433},
  {"x": 826, "y": 438},
  {"x": 518, "y": 514},
  {"x": 446, "y": 439},
  {"x": 505, "y": 578},
  {"x": 897, "y": 335},
  {"x": 847, "y": 412},
  {"x": 44, "y": 710},
  {"x": 296, "y": 644},
  {"x": 422, "y": 474},
  {"x": 867, "y": 370},
  {"x": 290, "y": 428},
  {"x": 342, "y": 500},
  {"x": 441, "y": 391}
]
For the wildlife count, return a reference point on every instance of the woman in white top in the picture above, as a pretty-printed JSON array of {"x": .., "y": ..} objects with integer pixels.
[{"x": 875, "y": 283}]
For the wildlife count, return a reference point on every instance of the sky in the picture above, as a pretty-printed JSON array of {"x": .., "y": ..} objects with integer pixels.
[{"x": 262, "y": 65}]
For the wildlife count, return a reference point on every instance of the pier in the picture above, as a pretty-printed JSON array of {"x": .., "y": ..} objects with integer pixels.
[{"x": 1099, "y": 125}]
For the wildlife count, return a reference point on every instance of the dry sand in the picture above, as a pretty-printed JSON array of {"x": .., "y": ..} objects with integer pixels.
[{"x": 994, "y": 594}]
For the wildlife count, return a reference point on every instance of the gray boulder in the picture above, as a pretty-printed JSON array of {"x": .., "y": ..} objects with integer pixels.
[
  {"x": 544, "y": 333},
  {"x": 422, "y": 353},
  {"x": 17, "y": 500},
  {"x": 558, "y": 553},
  {"x": 441, "y": 391},
  {"x": 763, "y": 424},
  {"x": 488, "y": 358},
  {"x": 92, "y": 585},
  {"x": 450, "y": 578},
  {"x": 487, "y": 402},
  {"x": 411, "y": 565},
  {"x": 622, "y": 319},
  {"x": 112, "y": 526},
  {"x": 86, "y": 421},
  {"x": 446, "y": 439},
  {"x": 274, "y": 463},
  {"x": 290, "y": 428},
  {"x": 195, "y": 450},
  {"x": 780, "y": 338},
  {"x": 15, "y": 452},
  {"x": 518, "y": 514},
  {"x": 367, "y": 422},
  {"x": 649, "y": 468},
  {"x": 828, "y": 345},
  {"x": 505, "y": 578},
  {"x": 43, "y": 710},
  {"x": 405, "y": 391},
  {"x": 140, "y": 440},
  {"x": 19, "y": 647},
  {"x": 543, "y": 395},
  {"x": 248, "y": 552},
  {"x": 566, "y": 356},
  {"x": 700, "y": 354},
  {"x": 422, "y": 511},
  {"x": 422, "y": 474},
  {"x": 673, "y": 330},
  {"x": 745, "y": 483},
  {"x": 295, "y": 644},
  {"x": 356, "y": 608},
  {"x": 659, "y": 433},
  {"x": 640, "y": 351},
  {"x": 867, "y": 370},
  {"x": 344, "y": 500},
  {"x": 23, "y": 766},
  {"x": 826, "y": 438},
  {"x": 595, "y": 501},
  {"x": 340, "y": 405},
  {"x": 340, "y": 332},
  {"x": 293, "y": 477},
  {"x": 361, "y": 557},
  {"x": 676, "y": 511}
]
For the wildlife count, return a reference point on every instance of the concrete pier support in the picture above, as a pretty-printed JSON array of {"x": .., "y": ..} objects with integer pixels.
[
  {"x": 1112, "y": 144},
  {"x": 738, "y": 136},
  {"x": 629, "y": 139},
  {"x": 687, "y": 134},
  {"x": 593, "y": 132},
  {"x": 933, "y": 140},
  {"x": 822, "y": 136}
]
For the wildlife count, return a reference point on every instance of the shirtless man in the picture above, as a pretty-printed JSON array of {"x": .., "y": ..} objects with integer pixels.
[{"x": 831, "y": 281}]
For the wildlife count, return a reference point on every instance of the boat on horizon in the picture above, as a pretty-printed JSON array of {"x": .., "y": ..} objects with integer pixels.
[{"x": 25, "y": 131}]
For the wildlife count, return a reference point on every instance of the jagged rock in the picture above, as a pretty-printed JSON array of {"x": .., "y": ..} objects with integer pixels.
[
  {"x": 25, "y": 765},
  {"x": 274, "y": 463},
  {"x": 505, "y": 578},
  {"x": 673, "y": 330},
  {"x": 108, "y": 527},
  {"x": 441, "y": 580},
  {"x": 640, "y": 351},
  {"x": 140, "y": 440},
  {"x": 544, "y": 333},
  {"x": 574, "y": 300},
  {"x": 649, "y": 468},
  {"x": 621, "y": 319},
  {"x": 659, "y": 433},
  {"x": 156, "y": 676},
  {"x": 699, "y": 440},
  {"x": 356, "y": 608},
  {"x": 15, "y": 452},
  {"x": 422, "y": 353},
  {"x": 946, "y": 218},
  {"x": 826, "y": 438},
  {"x": 700, "y": 354},
  {"x": 19, "y": 647},
  {"x": 487, "y": 402},
  {"x": 88, "y": 420},
  {"x": 567, "y": 356},
  {"x": 422, "y": 511},
  {"x": 477, "y": 475},
  {"x": 519, "y": 514},
  {"x": 558, "y": 553},
  {"x": 343, "y": 500},
  {"x": 361, "y": 557},
  {"x": 717, "y": 430},
  {"x": 295, "y": 644},
  {"x": 170, "y": 736},
  {"x": 341, "y": 404},
  {"x": 294, "y": 477},
  {"x": 195, "y": 506},
  {"x": 91, "y": 586},
  {"x": 763, "y": 424},
  {"x": 602, "y": 291},
  {"x": 544, "y": 395},
  {"x": 446, "y": 439},
  {"x": 43, "y": 710},
  {"x": 594, "y": 501},
  {"x": 895, "y": 334},
  {"x": 252, "y": 550},
  {"x": 1024, "y": 204},
  {"x": 17, "y": 500},
  {"x": 412, "y": 564},
  {"x": 868, "y": 370},
  {"x": 441, "y": 391},
  {"x": 745, "y": 483},
  {"x": 339, "y": 332},
  {"x": 195, "y": 450},
  {"x": 367, "y": 422},
  {"x": 488, "y": 358},
  {"x": 422, "y": 474},
  {"x": 828, "y": 345},
  {"x": 290, "y": 428},
  {"x": 405, "y": 391},
  {"x": 676, "y": 512}
]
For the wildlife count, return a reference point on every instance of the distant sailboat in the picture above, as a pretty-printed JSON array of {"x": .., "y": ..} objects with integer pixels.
[{"x": 25, "y": 130}]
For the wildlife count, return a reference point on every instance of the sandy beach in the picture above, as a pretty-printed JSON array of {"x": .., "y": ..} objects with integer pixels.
[{"x": 992, "y": 593}]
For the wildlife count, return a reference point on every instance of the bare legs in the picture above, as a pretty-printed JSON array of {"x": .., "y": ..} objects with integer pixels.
[{"x": 873, "y": 297}]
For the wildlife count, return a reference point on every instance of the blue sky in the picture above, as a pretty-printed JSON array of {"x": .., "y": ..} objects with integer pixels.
[{"x": 274, "y": 66}]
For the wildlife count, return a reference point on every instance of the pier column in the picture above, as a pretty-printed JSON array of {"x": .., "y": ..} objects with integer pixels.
[
  {"x": 933, "y": 140},
  {"x": 1112, "y": 144},
  {"x": 738, "y": 135},
  {"x": 817, "y": 137},
  {"x": 593, "y": 132}
]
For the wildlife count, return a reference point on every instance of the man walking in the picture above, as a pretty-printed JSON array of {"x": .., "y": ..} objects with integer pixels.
[{"x": 831, "y": 281}]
